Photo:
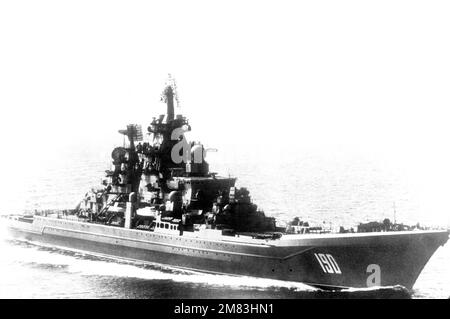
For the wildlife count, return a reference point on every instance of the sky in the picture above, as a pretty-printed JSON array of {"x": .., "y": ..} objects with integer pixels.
[{"x": 372, "y": 76}]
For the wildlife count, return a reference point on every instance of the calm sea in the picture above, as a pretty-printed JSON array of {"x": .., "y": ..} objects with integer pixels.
[{"x": 335, "y": 188}]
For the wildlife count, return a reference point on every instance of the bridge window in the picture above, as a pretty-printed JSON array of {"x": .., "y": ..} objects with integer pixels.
[{"x": 166, "y": 226}]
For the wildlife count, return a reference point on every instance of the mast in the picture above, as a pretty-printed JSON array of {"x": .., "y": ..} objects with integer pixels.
[{"x": 168, "y": 93}]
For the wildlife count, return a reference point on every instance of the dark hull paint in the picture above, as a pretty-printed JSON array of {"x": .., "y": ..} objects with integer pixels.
[{"x": 400, "y": 256}]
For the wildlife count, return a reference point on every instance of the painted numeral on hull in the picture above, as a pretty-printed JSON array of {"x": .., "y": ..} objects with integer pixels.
[{"x": 328, "y": 264}]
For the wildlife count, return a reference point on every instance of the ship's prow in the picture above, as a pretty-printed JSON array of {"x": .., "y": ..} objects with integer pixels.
[{"x": 367, "y": 259}]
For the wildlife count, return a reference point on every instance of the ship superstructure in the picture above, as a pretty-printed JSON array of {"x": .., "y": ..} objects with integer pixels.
[{"x": 169, "y": 181}]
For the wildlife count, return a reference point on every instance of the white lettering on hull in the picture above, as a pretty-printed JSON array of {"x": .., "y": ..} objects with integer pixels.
[{"x": 328, "y": 263}]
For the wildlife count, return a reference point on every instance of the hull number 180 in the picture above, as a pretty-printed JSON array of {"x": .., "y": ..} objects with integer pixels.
[{"x": 328, "y": 264}]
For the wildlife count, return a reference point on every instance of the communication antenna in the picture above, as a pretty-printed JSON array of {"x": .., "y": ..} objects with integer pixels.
[{"x": 176, "y": 94}]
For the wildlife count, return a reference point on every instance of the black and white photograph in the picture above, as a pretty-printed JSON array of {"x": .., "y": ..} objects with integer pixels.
[{"x": 224, "y": 150}]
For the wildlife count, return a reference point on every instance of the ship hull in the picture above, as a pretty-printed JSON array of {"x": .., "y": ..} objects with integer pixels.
[{"x": 326, "y": 261}]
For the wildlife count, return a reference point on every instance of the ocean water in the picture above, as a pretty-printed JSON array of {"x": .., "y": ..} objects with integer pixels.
[{"x": 336, "y": 187}]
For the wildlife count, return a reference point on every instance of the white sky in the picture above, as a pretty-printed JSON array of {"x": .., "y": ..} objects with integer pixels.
[{"x": 370, "y": 75}]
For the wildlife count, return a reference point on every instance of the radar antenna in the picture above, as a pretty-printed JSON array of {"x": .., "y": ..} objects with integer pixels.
[{"x": 134, "y": 133}]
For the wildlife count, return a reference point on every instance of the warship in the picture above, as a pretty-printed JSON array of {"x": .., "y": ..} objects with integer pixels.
[{"x": 160, "y": 203}]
